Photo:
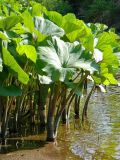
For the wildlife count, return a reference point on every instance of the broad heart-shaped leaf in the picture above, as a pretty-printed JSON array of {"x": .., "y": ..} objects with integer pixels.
[
  {"x": 110, "y": 58},
  {"x": 37, "y": 9},
  {"x": 63, "y": 58},
  {"x": 28, "y": 50},
  {"x": 1, "y": 67},
  {"x": 9, "y": 22},
  {"x": 75, "y": 29},
  {"x": 9, "y": 61},
  {"x": 28, "y": 20},
  {"x": 47, "y": 27},
  {"x": 10, "y": 91},
  {"x": 55, "y": 17},
  {"x": 106, "y": 39}
]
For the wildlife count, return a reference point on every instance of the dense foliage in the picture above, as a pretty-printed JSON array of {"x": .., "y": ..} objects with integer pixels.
[{"x": 45, "y": 61}]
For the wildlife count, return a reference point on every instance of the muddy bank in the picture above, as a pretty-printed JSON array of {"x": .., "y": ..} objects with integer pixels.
[{"x": 50, "y": 152}]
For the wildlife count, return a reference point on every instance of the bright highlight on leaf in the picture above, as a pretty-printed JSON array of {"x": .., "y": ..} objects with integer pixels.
[
  {"x": 47, "y": 27},
  {"x": 1, "y": 67},
  {"x": 98, "y": 55},
  {"x": 28, "y": 50},
  {"x": 63, "y": 58}
]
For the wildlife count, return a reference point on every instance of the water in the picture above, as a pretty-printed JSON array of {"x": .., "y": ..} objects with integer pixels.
[{"x": 97, "y": 139}]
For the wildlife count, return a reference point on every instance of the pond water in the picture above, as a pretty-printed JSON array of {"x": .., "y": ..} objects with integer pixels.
[{"x": 97, "y": 139}]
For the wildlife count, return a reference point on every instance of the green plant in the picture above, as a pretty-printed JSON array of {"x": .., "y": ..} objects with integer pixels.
[{"x": 39, "y": 51}]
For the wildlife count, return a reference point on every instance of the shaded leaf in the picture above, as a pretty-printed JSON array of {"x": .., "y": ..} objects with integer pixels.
[
  {"x": 10, "y": 91},
  {"x": 9, "y": 22},
  {"x": 9, "y": 61}
]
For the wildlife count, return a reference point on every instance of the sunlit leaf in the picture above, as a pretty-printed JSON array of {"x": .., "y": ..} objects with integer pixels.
[
  {"x": 28, "y": 50},
  {"x": 3, "y": 36},
  {"x": 47, "y": 27},
  {"x": 63, "y": 58}
]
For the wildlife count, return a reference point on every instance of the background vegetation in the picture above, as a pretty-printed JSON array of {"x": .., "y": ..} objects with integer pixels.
[{"x": 102, "y": 11}]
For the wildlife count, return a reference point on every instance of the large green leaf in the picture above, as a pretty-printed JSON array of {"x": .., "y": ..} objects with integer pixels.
[
  {"x": 106, "y": 39},
  {"x": 37, "y": 9},
  {"x": 75, "y": 29},
  {"x": 9, "y": 61},
  {"x": 109, "y": 57},
  {"x": 63, "y": 58},
  {"x": 10, "y": 91},
  {"x": 28, "y": 20},
  {"x": 28, "y": 50},
  {"x": 55, "y": 17},
  {"x": 47, "y": 27},
  {"x": 9, "y": 22}
]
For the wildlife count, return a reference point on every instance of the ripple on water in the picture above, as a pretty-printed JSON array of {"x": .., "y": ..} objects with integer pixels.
[{"x": 103, "y": 141}]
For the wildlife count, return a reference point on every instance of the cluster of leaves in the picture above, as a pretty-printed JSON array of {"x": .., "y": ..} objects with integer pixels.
[
  {"x": 43, "y": 49},
  {"x": 56, "y": 46}
]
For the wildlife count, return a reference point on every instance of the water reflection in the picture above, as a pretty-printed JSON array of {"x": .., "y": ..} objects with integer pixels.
[{"x": 101, "y": 137}]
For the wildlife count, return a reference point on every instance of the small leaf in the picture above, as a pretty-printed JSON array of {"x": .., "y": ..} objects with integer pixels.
[
  {"x": 44, "y": 79},
  {"x": 102, "y": 88},
  {"x": 10, "y": 91},
  {"x": 9, "y": 22},
  {"x": 3, "y": 36},
  {"x": 28, "y": 50},
  {"x": 98, "y": 55}
]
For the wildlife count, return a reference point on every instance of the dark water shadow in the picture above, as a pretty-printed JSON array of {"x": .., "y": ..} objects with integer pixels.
[{"x": 11, "y": 145}]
